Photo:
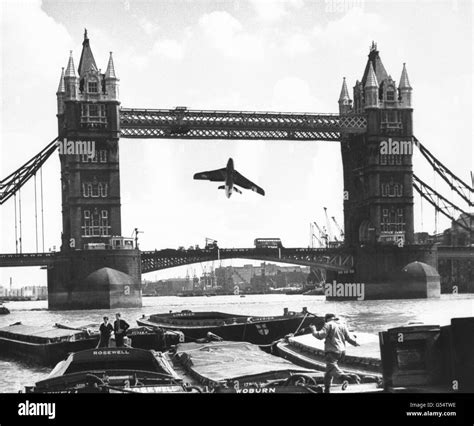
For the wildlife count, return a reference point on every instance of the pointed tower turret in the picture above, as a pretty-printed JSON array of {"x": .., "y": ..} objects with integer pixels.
[
  {"x": 111, "y": 80},
  {"x": 87, "y": 61},
  {"x": 61, "y": 92},
  {"x": 70, "y": 79},
  {"x": 345, "y": 103},
  {"x": 404, "y": 89},
  {"x": 371, "y": 89}
]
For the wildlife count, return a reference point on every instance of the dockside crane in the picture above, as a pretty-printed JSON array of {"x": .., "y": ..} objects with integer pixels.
[
  {"x": 328, "y": 225},
  {"x": 313, "y": 236},
  {"x": 322, "y": 234},
  {"x": 341, "y": 232}
]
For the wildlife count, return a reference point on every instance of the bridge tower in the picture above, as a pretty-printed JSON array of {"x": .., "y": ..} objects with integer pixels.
[
  {"x": 378, "y": 176},
  {"x": 97, "y": 268},
  {"x": 378, "y": 173}
]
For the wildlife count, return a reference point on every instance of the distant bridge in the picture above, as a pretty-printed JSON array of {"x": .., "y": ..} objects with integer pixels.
[
  {"x": 337, "y": 259},
  {"x": 330, "y": 259}
]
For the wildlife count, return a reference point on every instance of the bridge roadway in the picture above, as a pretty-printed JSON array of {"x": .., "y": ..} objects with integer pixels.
[
  {"x": 183, "y": 123},
  {"x": 330, "y": 259},
  {"x": 338, "y": 259}
]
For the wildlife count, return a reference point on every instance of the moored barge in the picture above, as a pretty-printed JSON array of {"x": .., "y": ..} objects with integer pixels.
[
  {"x": 43, "y": 345},
  {"x": 232, "y": 327},
  {"x": 112, "y": 370}
]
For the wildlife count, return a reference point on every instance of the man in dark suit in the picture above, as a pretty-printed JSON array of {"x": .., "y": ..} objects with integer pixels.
[
  {"x": 105, "y": 332},
  {"x": 120, "y": 330}
]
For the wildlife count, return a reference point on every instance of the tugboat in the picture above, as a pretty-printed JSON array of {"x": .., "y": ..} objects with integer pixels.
[
  {"x": 4, "y": 310},
  {"x": 242, "y": 328},
  {"x": 113, "y": 370}
]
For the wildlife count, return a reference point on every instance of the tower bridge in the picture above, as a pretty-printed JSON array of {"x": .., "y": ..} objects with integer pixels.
[{"x": 378, "y": 188}]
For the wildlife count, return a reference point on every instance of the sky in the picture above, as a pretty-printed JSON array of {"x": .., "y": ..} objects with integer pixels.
[{"x": 240, "y": 55}]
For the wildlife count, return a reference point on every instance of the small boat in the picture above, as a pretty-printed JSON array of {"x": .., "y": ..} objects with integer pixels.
[
  {"x": 4, "y": 310},
  {"x": 112, "y": 370},
  {"x": 311, "y": 355},
  {"x": 241, "y": 367},
  {"x": 233, "y": 327},
  {"x": 43, "y": 345}
]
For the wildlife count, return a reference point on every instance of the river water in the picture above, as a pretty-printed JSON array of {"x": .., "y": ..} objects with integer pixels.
[{"x": 365, "y": 318}]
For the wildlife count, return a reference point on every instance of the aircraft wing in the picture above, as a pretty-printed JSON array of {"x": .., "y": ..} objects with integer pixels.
[
  {"x": 213, "y": 175},
  {"x": 245, "y": 183}
]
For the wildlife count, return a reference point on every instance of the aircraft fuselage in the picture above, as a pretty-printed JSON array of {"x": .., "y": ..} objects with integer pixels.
[{"x": 229, "y": 180}]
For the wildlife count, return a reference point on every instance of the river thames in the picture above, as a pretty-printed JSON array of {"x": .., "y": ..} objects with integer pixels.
[{"x": 365, "y": 318}]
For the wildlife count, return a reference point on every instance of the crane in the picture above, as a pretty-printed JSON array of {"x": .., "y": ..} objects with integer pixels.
[
  {"x": 341, "y": 232},
  {"x": 322, "y": 233},
  {"x": 328, "y": 224},
  {"x": 313, "y": 236}
]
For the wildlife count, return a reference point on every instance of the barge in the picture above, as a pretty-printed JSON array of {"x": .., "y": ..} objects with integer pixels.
[
  {"x": 113, "y": 370},
  {"x": 43, "y": 345},
  {"x": 310, "y": 354},
  {"x": 232, "y": 327}
]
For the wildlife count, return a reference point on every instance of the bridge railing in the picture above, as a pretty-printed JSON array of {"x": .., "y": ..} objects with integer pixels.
[{"x": 199, "y": 124}]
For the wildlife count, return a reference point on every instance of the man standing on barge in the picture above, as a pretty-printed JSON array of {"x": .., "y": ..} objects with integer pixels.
[
  {"x": 120, "y": 329},
  {"x": 335, "y": 334},
  {"x": 105, "y": 332}
]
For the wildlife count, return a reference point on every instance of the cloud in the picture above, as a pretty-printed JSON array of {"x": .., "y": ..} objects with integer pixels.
[
  {"x": 274, "y": 10},
  {"x": 297, "y": 44},
  {"x": 226, "y": 34},
  {"x": 355, "y": 25},
  {"x": 294, "y": 94},
  {"x": 146, "y": 25},
  {"x": 170, "y": 49}
]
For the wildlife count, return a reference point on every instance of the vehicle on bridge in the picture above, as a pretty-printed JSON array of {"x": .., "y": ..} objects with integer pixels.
[
  {"x": 211, "y": 244},
  {"x": 231, "y": 177},
  {"x": 114, "y": 243},
  {"x": 268, "y": 243}
]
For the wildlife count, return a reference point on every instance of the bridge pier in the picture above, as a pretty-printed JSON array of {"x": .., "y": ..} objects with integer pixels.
[
  {"x": 95, "y": 279},
  {"x": 391, "y": 272}
]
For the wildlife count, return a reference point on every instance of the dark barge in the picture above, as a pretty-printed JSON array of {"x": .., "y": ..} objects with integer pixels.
[
  {"x": 232, "y": 327},
  {"x": 113, "y": 370},
  {"x": 43, "y": 345}
]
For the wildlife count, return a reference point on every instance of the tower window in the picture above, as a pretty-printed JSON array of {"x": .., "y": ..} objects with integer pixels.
[
  {"x": 393, "y": 221},
  {"x": 93, "y": 115},
  {"x": 86, "y": 159},
  {"x": 390, "y": 94},
  {"x": 390, "y": 159},
  {"x": 92, "y": 87},
  {"x": 103, "y": 156},
  {"x": 391, "y": 119},
  {"x": 95, "y": 223},
  {"x": 391, "y": 189},
  {"x": 94, "y": 190}
]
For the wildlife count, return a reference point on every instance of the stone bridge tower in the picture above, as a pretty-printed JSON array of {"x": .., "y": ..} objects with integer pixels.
[
  {"x": 378, "y": 204},
  {"x": 378, "y": 189},
  {"x": 97, "y": 268}
]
